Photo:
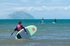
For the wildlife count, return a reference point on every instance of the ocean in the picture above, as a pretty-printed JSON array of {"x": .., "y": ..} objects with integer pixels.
[{"x": 48, "y": 33}]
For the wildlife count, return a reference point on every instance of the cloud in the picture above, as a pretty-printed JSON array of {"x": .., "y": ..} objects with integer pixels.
[
  {"x": 51, "y": 8},
  {"x": 8, "y": 4},
  {"x": 52, "y": 2},
  {"x": 23, "y": 8},
  {"x": 37, "y": 9},
  {"x": 58, "y": 8},
  {"x": 11, "y": 4},
  {"x": 67, "y": 8},
  {"x": 29, "y": 8},
  {"x": 42, "y": 8}
]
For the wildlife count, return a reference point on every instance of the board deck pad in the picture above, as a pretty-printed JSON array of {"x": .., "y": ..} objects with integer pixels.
[{"x": 31, "y": 30}]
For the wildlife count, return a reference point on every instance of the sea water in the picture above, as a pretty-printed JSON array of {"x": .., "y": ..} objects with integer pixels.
[{"x": 48, "y": 33}]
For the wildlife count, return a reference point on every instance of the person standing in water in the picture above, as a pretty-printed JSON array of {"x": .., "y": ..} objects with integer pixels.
[
  {"x": 19, "y": 27},
  {"x": 42, "y": 20},
  {"x": 55, "y": 20}
]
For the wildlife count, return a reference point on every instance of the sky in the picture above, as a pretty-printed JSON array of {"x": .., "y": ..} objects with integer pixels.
[{"x": 47, "y": 9}]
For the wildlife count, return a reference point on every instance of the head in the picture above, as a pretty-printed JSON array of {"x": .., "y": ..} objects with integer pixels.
[{"x": 19, "y": 22}]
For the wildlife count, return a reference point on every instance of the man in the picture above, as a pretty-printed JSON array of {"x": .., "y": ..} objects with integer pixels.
[{"x": 19, "y": 27}]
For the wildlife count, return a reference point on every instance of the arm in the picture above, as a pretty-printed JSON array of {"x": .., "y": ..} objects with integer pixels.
[
  {"x": 23, "y": 28},
  {"x": 13, "y": 31}
]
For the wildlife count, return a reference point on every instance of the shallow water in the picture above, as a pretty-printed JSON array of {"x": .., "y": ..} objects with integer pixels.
[{"x": 48, "y": 34}]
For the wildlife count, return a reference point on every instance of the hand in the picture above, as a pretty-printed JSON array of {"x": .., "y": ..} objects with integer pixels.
[{"x": 25, "y": 32}]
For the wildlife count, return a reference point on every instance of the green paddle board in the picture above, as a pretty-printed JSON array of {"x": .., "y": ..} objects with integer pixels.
[{"x": 31, "y": 30}]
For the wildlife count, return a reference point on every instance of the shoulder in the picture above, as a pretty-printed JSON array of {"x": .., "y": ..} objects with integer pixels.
[{"x": 22, "y": 26}]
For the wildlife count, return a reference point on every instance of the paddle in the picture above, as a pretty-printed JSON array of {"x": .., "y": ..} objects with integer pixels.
[{"x": 12, "y": 33}]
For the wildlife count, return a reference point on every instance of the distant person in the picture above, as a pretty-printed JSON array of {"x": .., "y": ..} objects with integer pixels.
[
  {"x": 55, "y": 20},
  {"x": 42, "y": 20},
  {"x": 19, "y": 27}
]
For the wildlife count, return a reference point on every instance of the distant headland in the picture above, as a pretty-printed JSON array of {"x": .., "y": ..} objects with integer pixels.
[{"x": 20, "y": 15}]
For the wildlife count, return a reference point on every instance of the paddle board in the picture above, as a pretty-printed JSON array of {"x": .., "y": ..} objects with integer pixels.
[
  {"x": 53, "y": 22},
  {"x": 31, "y": 30}
]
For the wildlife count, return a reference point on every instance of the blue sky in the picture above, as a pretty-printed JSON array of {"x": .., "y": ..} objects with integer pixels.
[{"x": 48, "y": 9}]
